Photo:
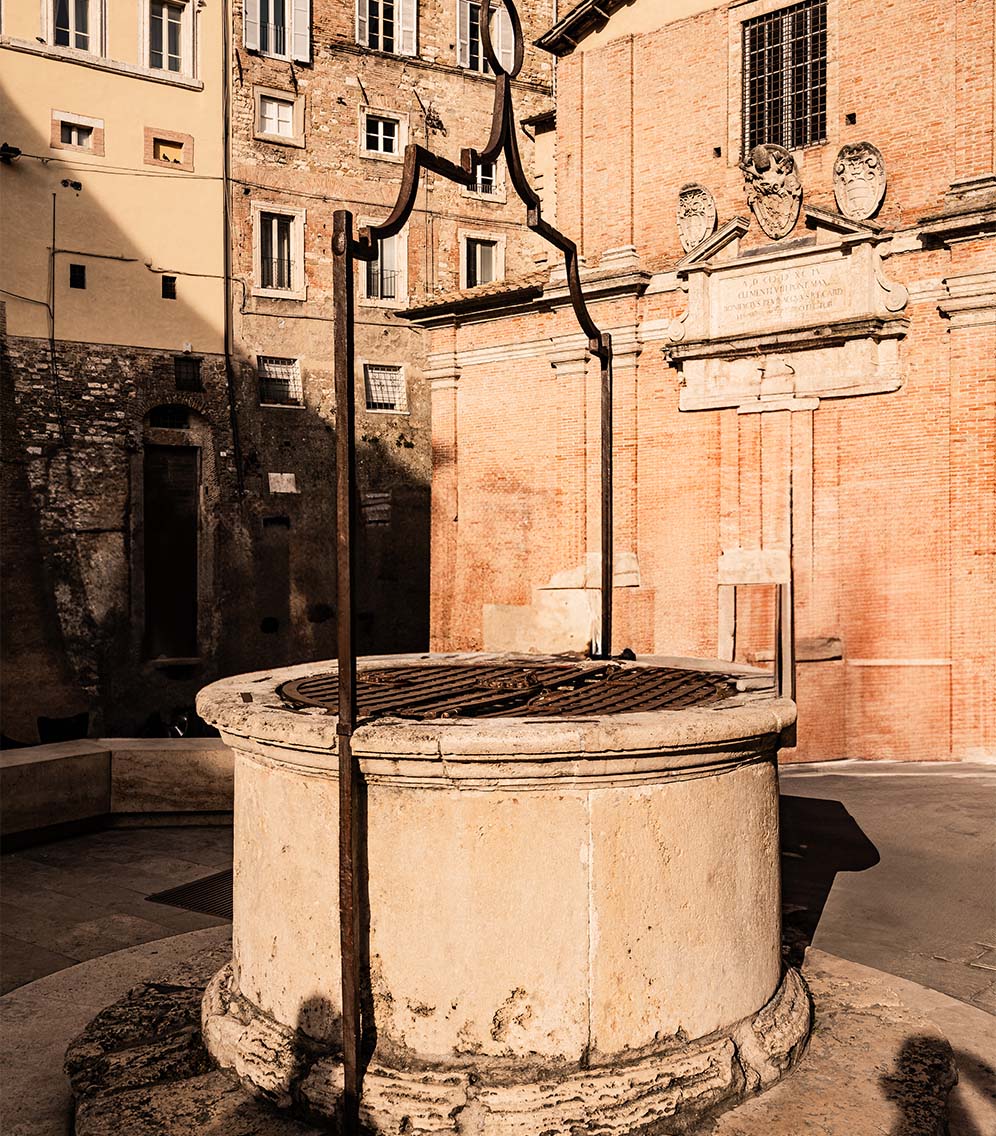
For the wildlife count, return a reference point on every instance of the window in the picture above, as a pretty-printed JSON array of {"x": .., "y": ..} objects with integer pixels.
[
  {"x": 165, "y": 36},
  {"x": 279, "y": 116},
  {"x": 169, "y": 148},
  {"x": 171, "y": 417},
  {"x": 72, "y": 24},
  {"x": 470, "y": 54},
  {"x": 77, "y": 276},
  {"x": 276, "y": 116},
  {"x": 279, "y": 381},
  {"x": 275, "y": 251},
  {"x": 165, "y": 150},
  {"x": 278, "y": 252},
  {"x": 278, "y": 27},
  {"x": 785, "y": 77},
  {"x": 72, "y": 134},
  {"x": 385, "y": 388},
  {"x": 380, "y": 134},
  {"x": 387, "y": 25},
  {"x": 480, "y": 262},
  {"x": 77, "y": 132},
  {"x": 487, "y": 183},
  {"x": 385, "y": 277},
  {"x": 187, "y": 373},
  {"x": 169, "y": 287}
]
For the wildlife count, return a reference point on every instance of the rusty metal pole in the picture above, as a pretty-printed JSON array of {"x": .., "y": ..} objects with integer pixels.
[
  {"x": 349, "y": 915},
  {"x": 605, "y": 647}
]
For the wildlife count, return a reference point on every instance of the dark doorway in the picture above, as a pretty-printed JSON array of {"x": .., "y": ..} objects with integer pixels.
[{"x": 172, "y": 477}]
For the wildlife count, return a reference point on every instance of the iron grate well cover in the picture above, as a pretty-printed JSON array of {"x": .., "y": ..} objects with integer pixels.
[{"x": 475, "y": 690}]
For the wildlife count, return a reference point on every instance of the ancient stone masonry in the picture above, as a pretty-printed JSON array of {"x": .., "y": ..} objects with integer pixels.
[{"x": 355, "y": 104}]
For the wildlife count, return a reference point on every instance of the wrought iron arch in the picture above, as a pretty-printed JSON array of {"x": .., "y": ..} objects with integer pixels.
[{"x": 346, "y": 248}]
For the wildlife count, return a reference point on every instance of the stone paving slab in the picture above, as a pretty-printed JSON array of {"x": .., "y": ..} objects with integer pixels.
[{"x": 39, "y": 1021}]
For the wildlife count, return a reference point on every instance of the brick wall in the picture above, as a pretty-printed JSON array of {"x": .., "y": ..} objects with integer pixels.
[{"x": 892, "y": 494}]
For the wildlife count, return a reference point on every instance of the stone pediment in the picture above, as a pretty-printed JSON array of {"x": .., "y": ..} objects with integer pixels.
[{"x": 797, "y": 320}]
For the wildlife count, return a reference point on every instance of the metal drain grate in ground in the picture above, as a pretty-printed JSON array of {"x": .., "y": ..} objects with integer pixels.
[{"x": 211, "y": 895}]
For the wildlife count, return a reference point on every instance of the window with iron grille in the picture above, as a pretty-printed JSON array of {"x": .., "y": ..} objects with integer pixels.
[
  {"x": 785, "y": 77},
  {"x": 275, "y": 262},
  {"x": 187, "y": 373},
  {"x": 385, "y": 387},
  {"x": 279, "y": 381},
  {"x": 385, "y": 278},
  {"x": 487, "y": 178}
]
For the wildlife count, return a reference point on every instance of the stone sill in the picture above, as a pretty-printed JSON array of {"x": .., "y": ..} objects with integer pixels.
[
  {"x": 85, "y": 59},
  {"x": 795, "y": 339}
]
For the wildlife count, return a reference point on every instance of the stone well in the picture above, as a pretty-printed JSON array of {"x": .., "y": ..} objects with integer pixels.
[{"x": 573, "y": 921}]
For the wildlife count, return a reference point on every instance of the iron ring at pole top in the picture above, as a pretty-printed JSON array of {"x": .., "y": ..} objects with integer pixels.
[{"x": 517, "y": 43}]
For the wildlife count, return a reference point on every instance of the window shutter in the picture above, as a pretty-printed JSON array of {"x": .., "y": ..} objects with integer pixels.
[
  {"x": 363, "y": 22},
  {"x": 301, "y": 31},
  {"x": 250, "y": 24},
  {"x": 505, "y": 45},
  {"x": 463, "y": 33},
  {"x": 408, "y": 41}
]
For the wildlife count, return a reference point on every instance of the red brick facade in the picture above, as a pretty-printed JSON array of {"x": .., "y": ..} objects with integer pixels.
[{"x": 879, "y": 424}]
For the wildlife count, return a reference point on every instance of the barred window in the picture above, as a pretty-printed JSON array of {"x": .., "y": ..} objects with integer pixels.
[
  {"x": 279, "y": 381},
  {"x": 187, "y": 373},
  {"x": 785, "y": 77},
  {"x": 385, "y": 388}
]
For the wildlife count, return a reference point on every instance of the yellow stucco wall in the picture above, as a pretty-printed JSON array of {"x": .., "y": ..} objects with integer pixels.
[{"x": 126, "y": 207}]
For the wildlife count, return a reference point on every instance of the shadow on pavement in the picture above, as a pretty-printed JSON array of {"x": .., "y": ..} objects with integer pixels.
[
  {"x": 925, "y": 1073},
  {"x": 819, "y": 838}
]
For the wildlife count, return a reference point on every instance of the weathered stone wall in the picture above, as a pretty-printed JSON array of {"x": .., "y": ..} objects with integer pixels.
[{"x": 445, "y": 108}]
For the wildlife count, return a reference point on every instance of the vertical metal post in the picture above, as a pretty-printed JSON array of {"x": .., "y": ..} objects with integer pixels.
[
  {"x": 349, "y": 916},
  {"x": 605, "y": 647}
]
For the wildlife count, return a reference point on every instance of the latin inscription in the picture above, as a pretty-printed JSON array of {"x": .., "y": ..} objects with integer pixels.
[{"x": 779, "y": 297}]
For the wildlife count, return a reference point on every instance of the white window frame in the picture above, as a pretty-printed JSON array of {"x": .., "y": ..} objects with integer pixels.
[
  {"x": 501, "y": 37},
  {"x": 498, "y": 239},
  {"x": 403, "y": 407},
  {"x": 499, "y": 195},
  {"x": 96, "y": 21},
  {"x": 188, "y": 40},
  {"x": 400, "y": 300},
  {"x": 298, "y": 38},
  {"x": 405, "y": 27},
  {"x": 297, "y": 101},
  {"x": 298, "y": 217},
  {"x": 401, "y": 119}
]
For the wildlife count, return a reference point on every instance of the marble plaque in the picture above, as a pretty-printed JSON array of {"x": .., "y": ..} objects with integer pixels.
[{"x": 782, "y": 296}]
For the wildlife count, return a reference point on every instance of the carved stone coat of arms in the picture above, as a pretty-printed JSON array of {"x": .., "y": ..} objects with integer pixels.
[
  {"x": 859, "y": 180},
  {"x": 696, "y": 215},
  {"x": 774, "y": 192}
]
